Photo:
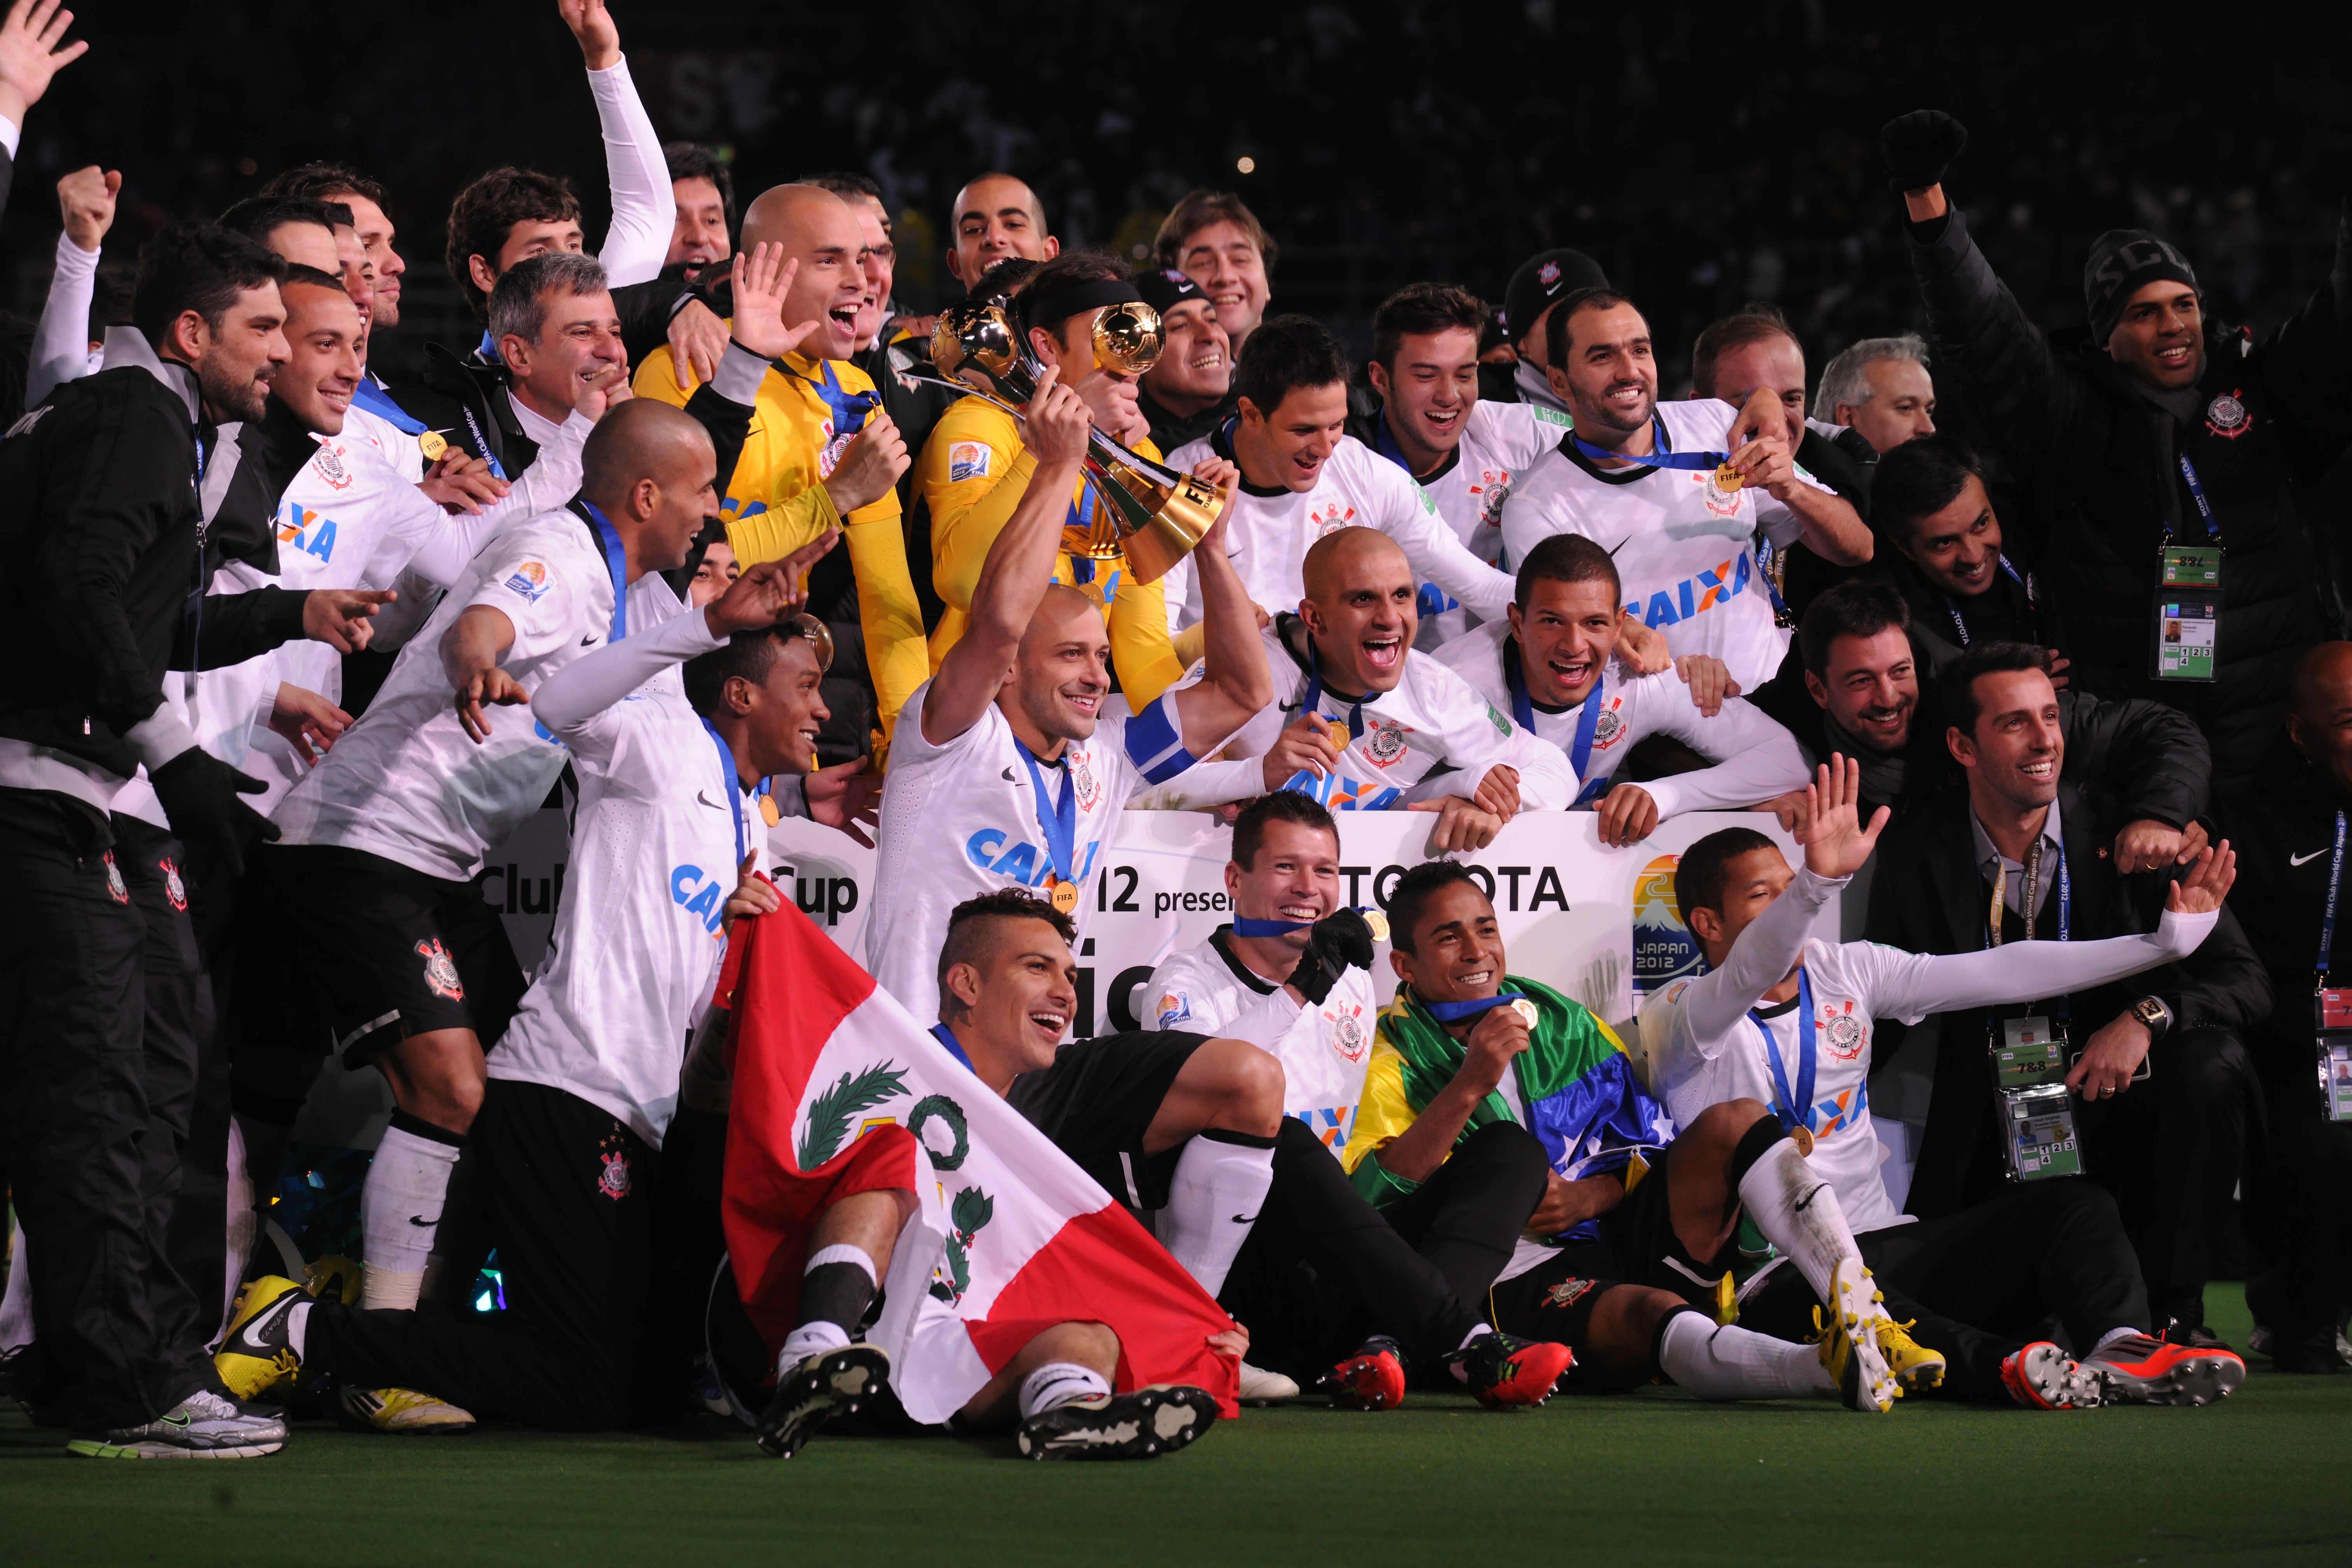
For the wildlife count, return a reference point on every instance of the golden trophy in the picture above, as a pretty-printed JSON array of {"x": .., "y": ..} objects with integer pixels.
[{"x": 1150, "y": 513}]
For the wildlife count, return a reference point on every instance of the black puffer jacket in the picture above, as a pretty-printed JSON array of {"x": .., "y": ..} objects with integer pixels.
[{"x": 2272, "y": 415}]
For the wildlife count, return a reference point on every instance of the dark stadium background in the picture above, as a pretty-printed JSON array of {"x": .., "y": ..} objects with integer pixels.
[{"x": 1706, "y": 153}]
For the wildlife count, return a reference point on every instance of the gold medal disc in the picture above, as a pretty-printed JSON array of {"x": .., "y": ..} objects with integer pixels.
[
  {"x": 1338, "y": 730},
  {"x": 1727, "y": 478},
  {"x": 1525, "y": 1009},
  {"x": 430, "y": 443},
  {"x": 1065, "y": 896},
  {"x": 1379, "y": 922},
  {"x": 768, "y": 812}
]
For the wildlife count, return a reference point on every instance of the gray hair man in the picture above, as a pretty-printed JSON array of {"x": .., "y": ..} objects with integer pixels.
[{"x": 1880, "y": 389}]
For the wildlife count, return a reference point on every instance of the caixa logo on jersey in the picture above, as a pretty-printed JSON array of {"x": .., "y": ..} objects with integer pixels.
[
  {"x": 1695, "y": 595},
  {"x": 993, "y": 850},
  {"x": 1664, "y": 948}
]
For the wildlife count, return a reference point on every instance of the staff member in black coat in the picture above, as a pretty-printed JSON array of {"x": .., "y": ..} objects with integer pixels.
[
  {"x": 2167, "y": 1146},
  {"x": 1941, "y": 549},
  {"x": 2298, "y": 1188},
  {"x": 105, "y": 555},
  {"x": 2159, "y": 428}
]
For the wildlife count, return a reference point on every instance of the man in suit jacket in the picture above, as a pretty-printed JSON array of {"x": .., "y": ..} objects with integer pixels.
[{"x": 2168, "y": 1145}]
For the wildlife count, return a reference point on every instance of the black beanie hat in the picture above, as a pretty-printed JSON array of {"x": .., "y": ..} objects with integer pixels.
[
  {"x": 2121, "y": 262},
  {"x": 1163, "y": 288},
  {"x": 1541, "y": 279}
]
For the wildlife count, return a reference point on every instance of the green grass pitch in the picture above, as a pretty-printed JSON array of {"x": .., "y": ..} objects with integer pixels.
[{"x": 1651, "y": 1479}]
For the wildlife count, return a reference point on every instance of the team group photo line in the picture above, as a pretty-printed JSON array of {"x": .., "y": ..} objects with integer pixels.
[{"x": 1063, "y": 865}]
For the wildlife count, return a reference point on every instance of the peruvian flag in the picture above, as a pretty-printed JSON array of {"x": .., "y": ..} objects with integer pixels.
[{"x": 1009, "y": 1239}]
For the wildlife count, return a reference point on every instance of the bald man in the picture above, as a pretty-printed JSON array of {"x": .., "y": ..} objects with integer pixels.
[
  {"x": 995, "y": 218},
  {"x": 1362, "y": 720},
  {"x": 404, "y": 967},
  {"x": 2287, "y": 819},
  {"x": 1021, "y": 762},
  {"x": 823, "y": 454}
]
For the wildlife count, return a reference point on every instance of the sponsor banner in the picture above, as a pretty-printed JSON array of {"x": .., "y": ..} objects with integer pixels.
[{"x": 1596, "y": 923}]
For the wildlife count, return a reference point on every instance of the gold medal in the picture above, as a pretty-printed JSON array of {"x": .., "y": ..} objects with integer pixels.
[
  {"x": 1378, "y": 924},
  {"x": 431, "y": 444},
  {"x": 1525, "y": 1009},
  {"x": 768, "y": 812},
  {"x": 1338, "y": 730},
  {"x": 1727, "y": 478},
  {"x": 1065, "y": 896}
]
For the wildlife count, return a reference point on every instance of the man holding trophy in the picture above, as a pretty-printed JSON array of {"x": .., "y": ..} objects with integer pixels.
[{"x": 1081, "y": 315}]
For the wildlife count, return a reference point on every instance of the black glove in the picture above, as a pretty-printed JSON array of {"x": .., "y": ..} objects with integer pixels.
[
  {"x": 1918, "y": 147},
  {"x": 1340, "y": 941},
  {"x": 199, "y": 795}
]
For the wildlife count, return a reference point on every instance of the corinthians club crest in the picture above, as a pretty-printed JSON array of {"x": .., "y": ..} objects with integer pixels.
[
  {"x": 441, "y": 971},
  {"x": 1383, "y": 741},
  {"x": 2227, "y": 416}
]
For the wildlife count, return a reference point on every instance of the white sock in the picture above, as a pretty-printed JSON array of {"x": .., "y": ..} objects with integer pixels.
[
  {"x": 1732, "y": 1363},
  {"x": 808, "y": 1340},
  {"x": 1219, "y": 1184},
  {"x": 844, "y": 1252},
  {"x": 1058, "y": 1383},
  {"x": 1798, "y": 1211},
  {"x": 298, "y": 1328},
  {"x": 242, "y": 1225},
  {"x": 400, "y": 1212},
  {"x": 17, "y": 1306}
]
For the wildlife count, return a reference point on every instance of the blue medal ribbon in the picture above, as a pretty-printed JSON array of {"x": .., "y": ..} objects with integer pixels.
[
  {"x": 616, "y": 561},
  {"x": 482, "y": 443},
  {"x": 731, "y": 787},
  {"x": 1454, "y": 1011},
  {"x": 1243, "y": 926},
  {"x": 378, "y": 402},
  {"x": 946, "y": 1037},
  {"x": 1314, "y": 696},
  {"x": 2327, "y": 921},
  {"x": 849, "y": 409},
  {"x": 1061, "y": 826},
  {"x": 1588, "y": 721},
  {"x": 1661, "y": 454},
  {"x": 1794, "y": 1110}
]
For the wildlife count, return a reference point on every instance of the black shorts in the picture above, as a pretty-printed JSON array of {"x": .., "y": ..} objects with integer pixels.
[
  {"x": 1637, "y": 1245},
  {"x": 1097, "y": 1102},
  {"x": 350, "y": 953}
]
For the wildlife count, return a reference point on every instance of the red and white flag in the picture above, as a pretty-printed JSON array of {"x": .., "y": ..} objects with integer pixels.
[{"x": 1010, "y": 1236}]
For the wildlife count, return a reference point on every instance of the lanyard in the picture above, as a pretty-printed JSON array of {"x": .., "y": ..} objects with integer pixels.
[
  {"x": 849, "y": 409},
  {"x": 2197, "y": 493},
  {"x": 1315, "y": 696},
  {"x": 616, "y": 561},
  {"x": 730, "y": 788},
  {"x": 376, "y": 401},
  {"x": 946, "y": 1037},
  {"x": 2066, "y": 1008},
  {"x": 1661, "y": 454},
  {"x": 1454, "y": 1011},
  {"x": 2327, "y": 921},
  {"x": 1953, "y": 608},
  {"x": 1796, "y": 1110},
  {"x": 1588, "y": 720},
  {"x": 482, "y": 442},
  {"x": 1061, "y": 827}
]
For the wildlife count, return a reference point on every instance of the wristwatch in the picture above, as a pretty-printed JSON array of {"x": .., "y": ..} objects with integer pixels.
[{"x": 2153, "y": 1012}]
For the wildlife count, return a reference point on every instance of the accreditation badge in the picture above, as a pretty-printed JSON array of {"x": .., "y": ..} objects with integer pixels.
[
  {"x": 2188, "y": 612},
  {"x": 2029, "y": 1052},
  {"x": 2038, "y": 1137},
  {"x": 2332, "y": 1012}
]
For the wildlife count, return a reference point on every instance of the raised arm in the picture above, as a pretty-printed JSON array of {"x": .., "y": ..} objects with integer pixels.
[
  {"x": 644, "y": 211},
  {"x": 1235, "y": 685},
  {"x": 1019, "y": 566},
  {"x": 61, "y": 340},
  {"x": 1760, "y": 452}
]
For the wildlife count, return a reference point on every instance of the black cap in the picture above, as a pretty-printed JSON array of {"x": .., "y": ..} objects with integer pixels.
[
  {"x": 2123, "y": 261},
  {"x": 1541, "y": 279},
  {"x": 1163, "y": 288}
]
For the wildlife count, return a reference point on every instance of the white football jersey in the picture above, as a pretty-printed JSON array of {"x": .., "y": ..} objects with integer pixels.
[
  {"x": 1852, "y": 982},
  {"x": 1500, "y": 440},
  {"x": 1755, "y": 758},
  {"x": 1207, "y": 990},
  {"x": 661, "y": 826},
  {"x": 405, "y": 782},
  {"x": 1682, "y": 544},
  {"x": 963, "y": 819},
  {"x": 1431, "y": 736},
  {"x": 1268, "y": 534}
]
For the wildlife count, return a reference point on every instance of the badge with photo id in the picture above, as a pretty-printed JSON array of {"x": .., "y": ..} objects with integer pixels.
[
  {"x": 2038, "y": 1139},
  {"x": 2332, "y": 1010},
  {"x": 2029, "y": 1052},
  {"x": 2188, "y": 612}
]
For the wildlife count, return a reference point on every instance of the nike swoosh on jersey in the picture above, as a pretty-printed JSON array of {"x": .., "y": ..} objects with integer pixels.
[
  {"x": 708, "y": 801},
  {"x": 587, "y": 642},
  {"x": 1009, "y": 778},
  {"x": 418, "y": 1219},
  {"x": 2299, "y": 859}
]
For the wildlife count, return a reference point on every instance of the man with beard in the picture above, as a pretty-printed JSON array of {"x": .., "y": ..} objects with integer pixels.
[{"x": 1932, "y": 506}]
